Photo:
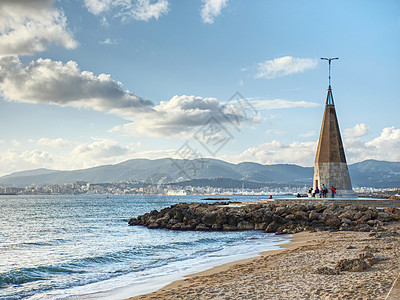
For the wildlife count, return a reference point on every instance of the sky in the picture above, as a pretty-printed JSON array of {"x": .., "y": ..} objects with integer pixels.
[{"x": 94, "y": 82}]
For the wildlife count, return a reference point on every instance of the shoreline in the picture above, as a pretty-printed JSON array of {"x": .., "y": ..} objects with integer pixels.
[
  {"x": 289, "y": 272},
  {"x": 296, "y": 240}
]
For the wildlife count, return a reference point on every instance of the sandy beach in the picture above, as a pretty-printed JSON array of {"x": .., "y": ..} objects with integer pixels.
[{"x": 292, "y": 271}]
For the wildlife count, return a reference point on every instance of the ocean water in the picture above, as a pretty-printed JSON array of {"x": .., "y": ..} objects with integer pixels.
[{"x": 81, "y": 247}]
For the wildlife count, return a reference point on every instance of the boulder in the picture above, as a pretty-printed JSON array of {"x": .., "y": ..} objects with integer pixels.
[
  {"x": 352, "y": 265},
  {"x": 393, "y": 210},
  {"x": 227, "y": 227},
  {"x": 313, "y": 215},
  {"x": 385, "y": 216},
  {"x": 245, "y": 225},
  {"x": 260, "y": 226},
  {"x": 331, "y": 220},
  {"x": 154, "y": 225},
  {"x": 280, "y": 210},
  {"x": 272, "y": 227},
  {"x": 202, "y": 227},
  {"x": 301, "y": 215}
]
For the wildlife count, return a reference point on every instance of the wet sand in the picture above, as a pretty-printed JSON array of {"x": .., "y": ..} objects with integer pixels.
[{"x": 289, "y": 273}]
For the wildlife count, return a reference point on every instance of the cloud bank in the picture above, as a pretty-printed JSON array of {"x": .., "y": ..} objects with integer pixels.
[
  {"x": 29, "y": 27},
  {"x": 284, "y": 66},
  {"x": 384, "y": 147},
  {"x": 53, "y": 82},
  {"x": 181, "y": 114}
]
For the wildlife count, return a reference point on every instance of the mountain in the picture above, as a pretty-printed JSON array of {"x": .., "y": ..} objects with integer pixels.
[
  {"x": 374, "y": 173},
  {"x": 367, "y": 173}
]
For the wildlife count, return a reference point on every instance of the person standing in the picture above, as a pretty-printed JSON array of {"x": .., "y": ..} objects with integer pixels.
[
  {"x": 324, "y": 190},
  {"x": 333, "y": 190},
  {"x": 316, "y": 192}
]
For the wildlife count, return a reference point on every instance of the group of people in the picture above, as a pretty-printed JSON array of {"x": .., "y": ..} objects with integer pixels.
[{"x": 323, "y": 192}]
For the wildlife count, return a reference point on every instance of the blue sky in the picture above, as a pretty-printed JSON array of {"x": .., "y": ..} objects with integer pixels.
[{"x": 86, "y": 83}]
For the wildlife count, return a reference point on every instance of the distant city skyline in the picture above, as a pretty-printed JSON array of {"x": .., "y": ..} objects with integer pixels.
[{"x": 94, "y": 82}]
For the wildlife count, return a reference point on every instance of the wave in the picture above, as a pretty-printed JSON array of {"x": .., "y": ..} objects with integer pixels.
[{"x": 25, "y": 275}]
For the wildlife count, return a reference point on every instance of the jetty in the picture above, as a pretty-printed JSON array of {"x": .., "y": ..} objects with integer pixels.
[{"x": 277, "y": 216}]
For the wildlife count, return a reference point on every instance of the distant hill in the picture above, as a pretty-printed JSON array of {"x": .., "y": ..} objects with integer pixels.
[
  {"x": 367, "y": 173},
  {"x": 374, "y": 173}
]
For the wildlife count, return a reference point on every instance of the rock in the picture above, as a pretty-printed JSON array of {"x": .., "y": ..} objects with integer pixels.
[
  {"x": 326, "y": 271},
  {"x": 153, "y": 225},
  {"x": 260, "y": 226},
  {"x": 290, "y": 217},
  {"x": 245, "y": 225},
  {"x": 366, "y": 254},
  {"x": 269, "y": 217},
  {"x": 346, "y": 221},
  {"x": 202, "y": 227},
  {"x": 177, "y": 226},
  {"x": 227, "y": 227},
  {"x": 375, "y": 223},
  {"x": 313, "y": 215},
  {"x": 347, "y": 214},
  {"x": 362, "y": 227},
  {"x": 393, "y": 210},
  {"x": 272, "y": 227},
  {"x": 385, "y": 216},
  {"x": 301, "y": 216},
  {"x": 332, "y": 207},
  {"x": 216, "y": 227},
  {"x": 280, "y": 210},
  {"x": 331, "y": 220},
  {"x": 133, "y": 221},
  {"x": 352, "y": 265}
]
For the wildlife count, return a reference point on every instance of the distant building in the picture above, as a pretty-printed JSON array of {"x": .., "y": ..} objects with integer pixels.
[{"x": 330, "y": 166}]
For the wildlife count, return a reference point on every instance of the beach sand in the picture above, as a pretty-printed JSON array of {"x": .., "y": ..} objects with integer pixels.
[{"x": 289, "y": 273}]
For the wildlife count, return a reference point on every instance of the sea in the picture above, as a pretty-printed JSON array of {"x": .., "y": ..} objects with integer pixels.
[{"x": 81, "y": 247}]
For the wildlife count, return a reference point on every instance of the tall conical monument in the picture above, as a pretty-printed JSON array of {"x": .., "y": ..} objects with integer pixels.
[{"x": 330, "y": 166}]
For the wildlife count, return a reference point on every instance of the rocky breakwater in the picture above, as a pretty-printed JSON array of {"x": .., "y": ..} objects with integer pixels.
[{"x": 269, "y": 217}]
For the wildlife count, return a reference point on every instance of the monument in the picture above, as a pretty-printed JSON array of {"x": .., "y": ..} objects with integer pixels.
[{"x": 330, "y": 166}]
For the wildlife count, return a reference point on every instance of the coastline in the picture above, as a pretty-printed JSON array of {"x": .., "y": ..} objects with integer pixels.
[
  {"x": 289, "y": 272},
  {"x": 296, "y": 240}
]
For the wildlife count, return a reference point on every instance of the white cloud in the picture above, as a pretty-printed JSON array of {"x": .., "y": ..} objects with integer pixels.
[
  {"x": 384, "y": 147},
  {"x": 101, "y": 151},
  {"x": 359, "y": 130},
  {"x": 59, "y": 142},
  {"x": 144, "y": 10},
  {"x": 109, "y": 42},
  {"x": 211, "y": 9},
  {"x": 284, "y": 66},
  {"x": 52, "y": 82},
  {"x": 280, "y": 103},
  {"x": 274, "y": 132},
  {"x": 181, "y": 114},
  {"x": 98, "y": 6},
  {"x": 141, "y": 10},
  {"x": 28, "y": 27},
  {"x": 388, "y": 142},
  {"x": 276, "y": 152},
  {"x": 13, "y": 160}
]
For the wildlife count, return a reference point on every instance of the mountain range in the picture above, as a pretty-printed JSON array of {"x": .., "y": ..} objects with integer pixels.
[{"x": 370, "y": 173}]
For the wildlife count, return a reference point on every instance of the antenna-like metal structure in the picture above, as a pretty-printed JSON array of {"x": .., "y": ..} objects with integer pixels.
[{"x": 329, "y": 60}]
